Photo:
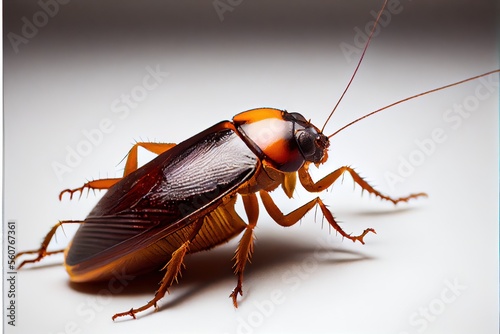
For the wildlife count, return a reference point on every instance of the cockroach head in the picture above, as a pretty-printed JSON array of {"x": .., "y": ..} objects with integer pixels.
[
  {"x": 285, "y": 140},
  {"x": 312, "y": 144}
]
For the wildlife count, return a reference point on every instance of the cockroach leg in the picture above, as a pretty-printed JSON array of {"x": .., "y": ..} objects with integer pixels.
[
  {"x": 101, "y": 184},
  {"x": 328, "y": 180},
  {"x": 130, "y": 166},
  {"x": 42, "y": 251},
  {"x": 157, "y": 148},
  {"x": 245, "y": 247},
  {"x": 329, "y": 217},
  {"x": 294, "y": 216},
  {"x": 173, "y": 269}
]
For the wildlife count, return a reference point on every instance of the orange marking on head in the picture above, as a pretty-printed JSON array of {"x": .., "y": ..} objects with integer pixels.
[{"x": 255, "y": 115}]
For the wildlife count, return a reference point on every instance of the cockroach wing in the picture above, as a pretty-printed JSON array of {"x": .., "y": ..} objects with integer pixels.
[{"x": 169, "y": 193}]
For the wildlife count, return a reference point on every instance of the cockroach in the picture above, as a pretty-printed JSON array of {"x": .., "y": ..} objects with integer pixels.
[{"x": 183, "y": 201}]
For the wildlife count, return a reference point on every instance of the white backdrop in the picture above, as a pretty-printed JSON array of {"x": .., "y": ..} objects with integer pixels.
[{"x": 432, "y": 266}]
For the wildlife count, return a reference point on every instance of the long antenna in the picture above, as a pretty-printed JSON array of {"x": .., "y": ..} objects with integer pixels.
[
  {"x": 357, "y": 66},
  {"x": 413, "y": 97}
]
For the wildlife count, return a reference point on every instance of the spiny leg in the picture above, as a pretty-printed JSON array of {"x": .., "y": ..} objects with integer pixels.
[
  {"x": 294, "y": 216},
  {"x": 245, "y": 247},
  {"x": 130, "y": 166},
  {"x": 173, "y": 269},
  {"x": 132, "y": 159},
  {"x": 328, "y": 180},
  {"x": 42, "y": 251},
  {"x": 101, "y": 184}
]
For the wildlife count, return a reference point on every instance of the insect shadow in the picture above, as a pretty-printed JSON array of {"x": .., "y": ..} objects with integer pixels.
[
  {"x": 357, "y": 212},
  {"x": 205, "y": 270}
]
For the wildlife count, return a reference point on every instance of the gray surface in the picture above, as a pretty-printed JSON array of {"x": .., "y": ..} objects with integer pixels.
[{"x": 70, "y": 78}]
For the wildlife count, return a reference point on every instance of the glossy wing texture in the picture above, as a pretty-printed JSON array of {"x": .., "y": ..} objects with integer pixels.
[{"x": 164, "y": 196}]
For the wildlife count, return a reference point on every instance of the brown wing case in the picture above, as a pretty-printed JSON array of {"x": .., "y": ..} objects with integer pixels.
[{"x": 162, "y": 197}]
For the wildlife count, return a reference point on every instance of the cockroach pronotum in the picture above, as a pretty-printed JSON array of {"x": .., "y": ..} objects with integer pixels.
[{"x": 183, "y": 201}]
